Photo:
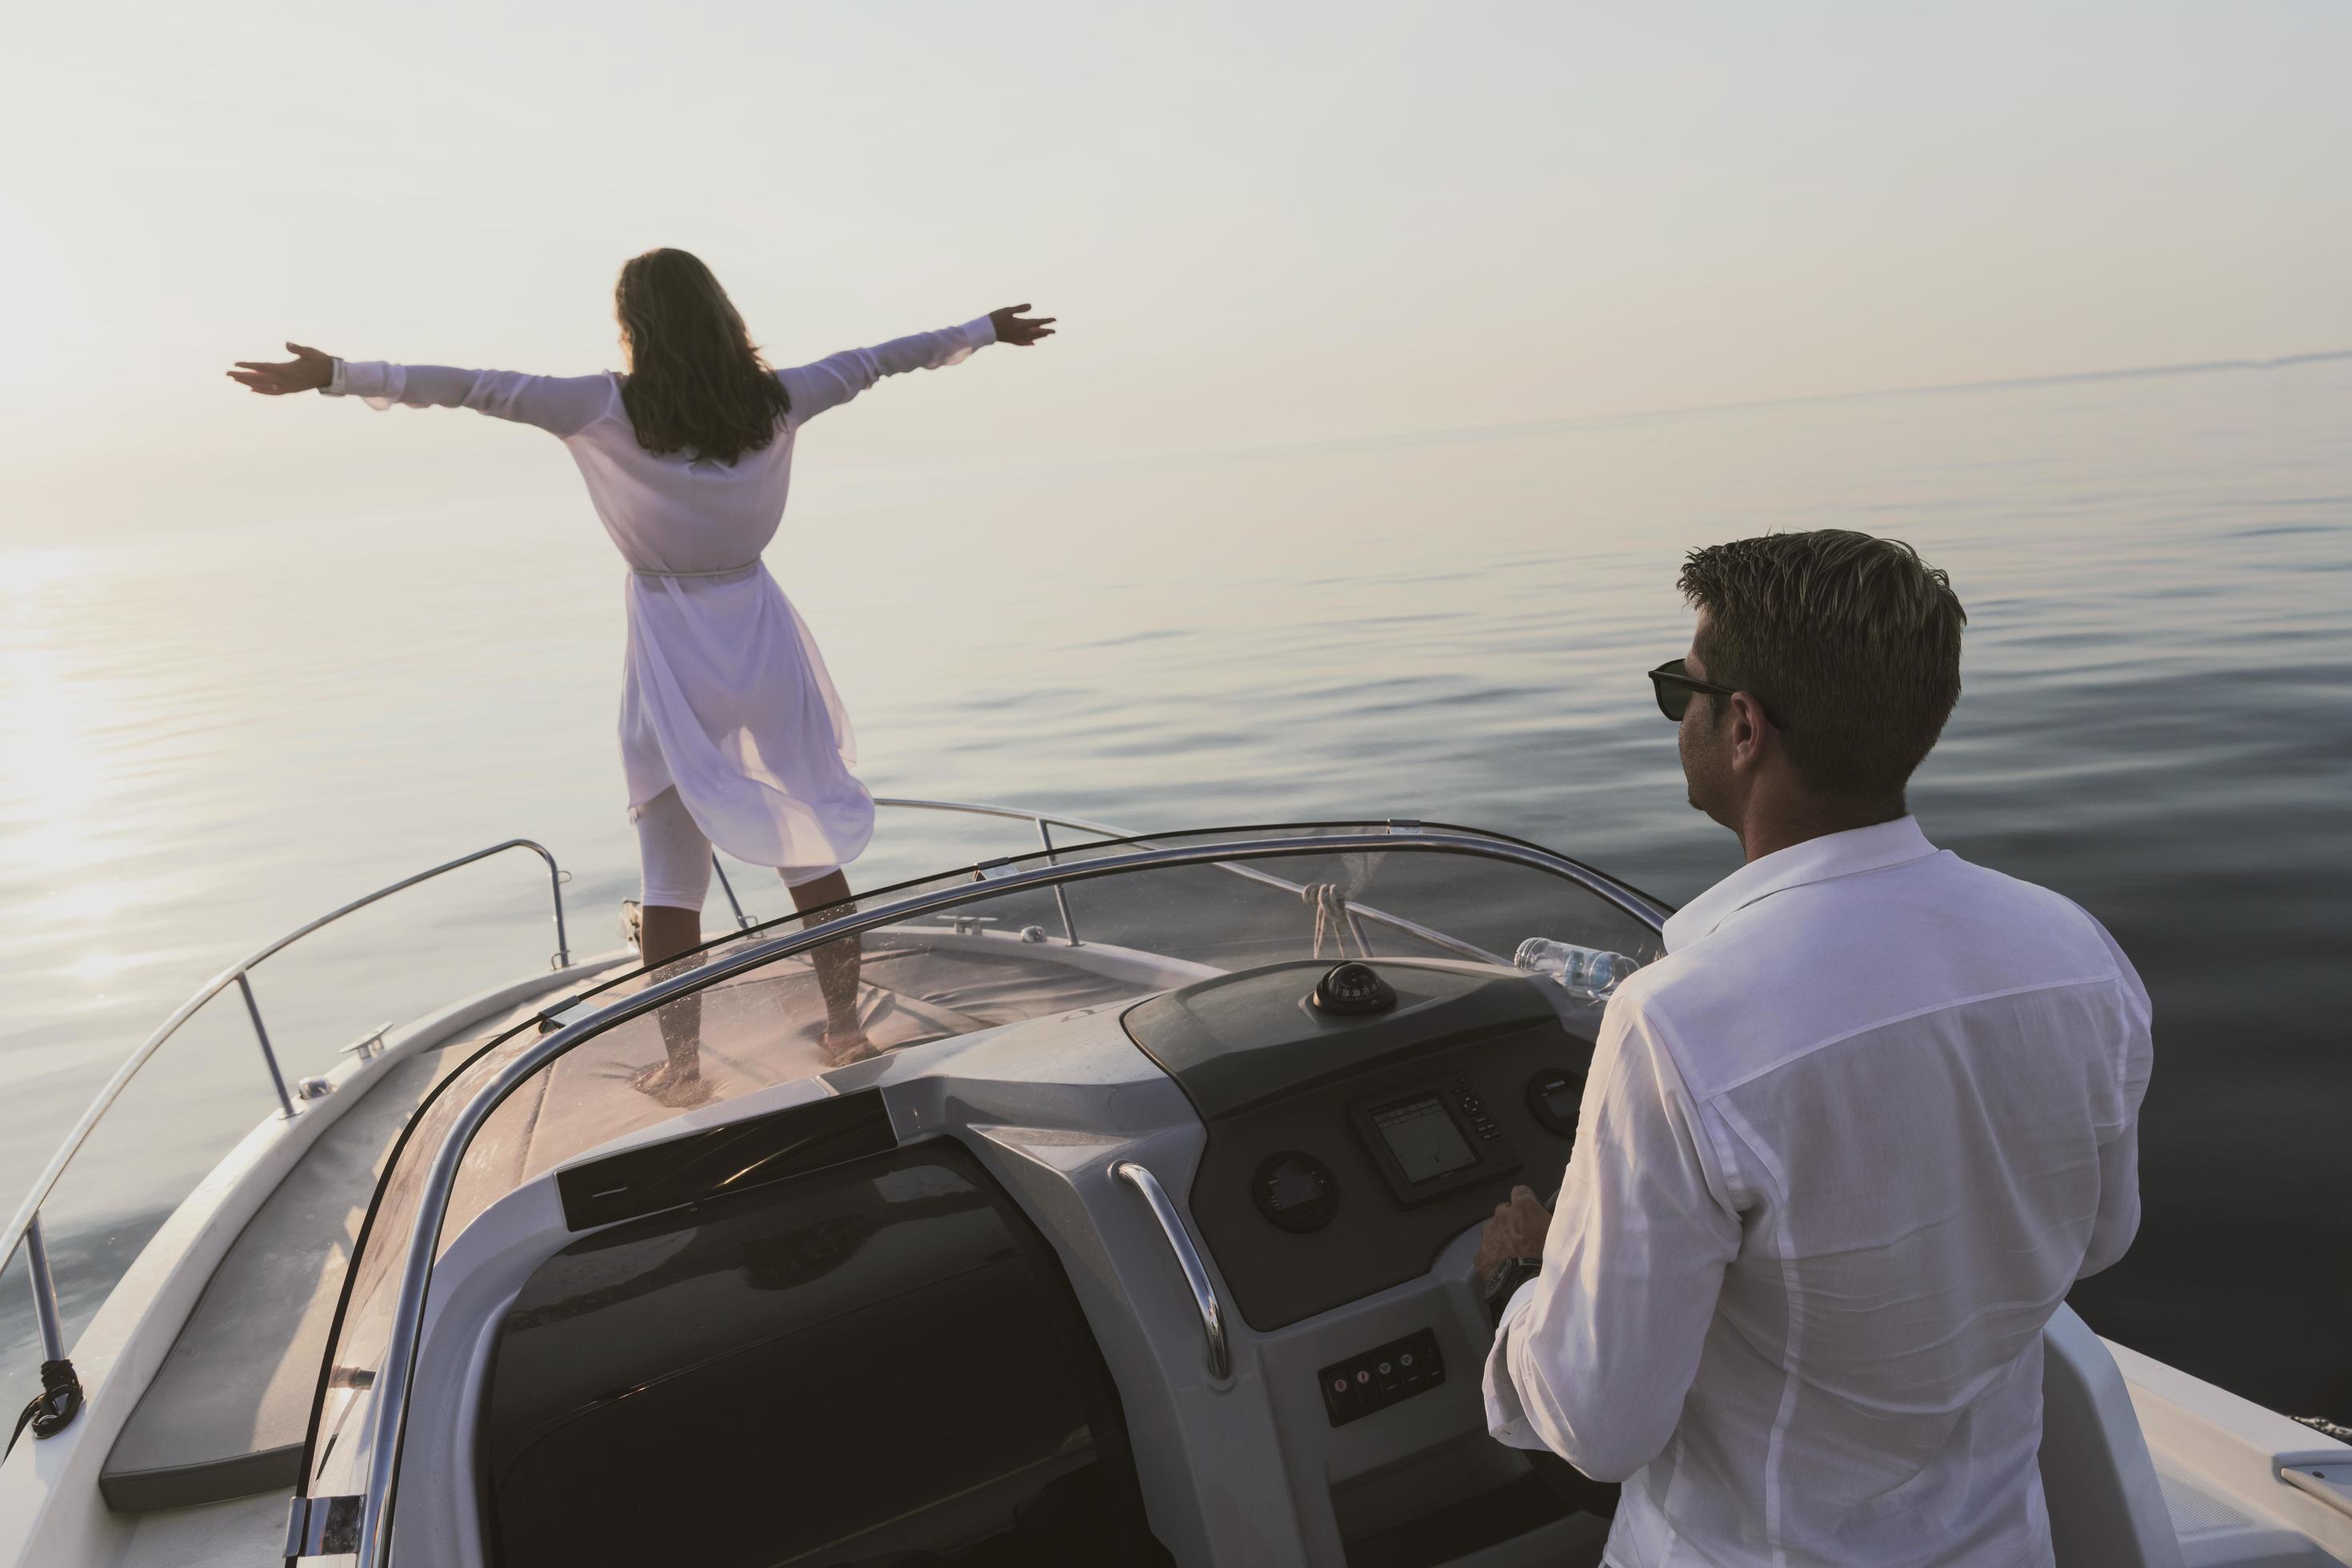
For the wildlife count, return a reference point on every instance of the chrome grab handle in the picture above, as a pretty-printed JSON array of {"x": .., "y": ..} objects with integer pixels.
[
  {"x": 2326, "y": 1473},
  {"x": 1179, "y": 1242}
]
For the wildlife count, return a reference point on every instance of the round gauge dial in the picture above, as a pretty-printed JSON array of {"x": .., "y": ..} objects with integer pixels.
[
  {"x": 1296, "y": 1191},
  {"x": 1553, "y": 1096}
]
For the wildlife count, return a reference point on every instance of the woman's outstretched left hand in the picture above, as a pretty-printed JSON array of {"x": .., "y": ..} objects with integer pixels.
[
  {"x": 307, "y": 371},
  {"x": 1011, "y": 327}
]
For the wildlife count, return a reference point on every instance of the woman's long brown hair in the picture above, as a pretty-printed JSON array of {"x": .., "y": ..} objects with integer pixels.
[{"x": 697, "y": 382}]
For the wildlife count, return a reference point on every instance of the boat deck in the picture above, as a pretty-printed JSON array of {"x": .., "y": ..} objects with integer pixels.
[{"x": 224, "y": 1414}]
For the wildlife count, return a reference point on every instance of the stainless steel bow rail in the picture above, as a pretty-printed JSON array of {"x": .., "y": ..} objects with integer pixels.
[
  {"x": 61, "y": 1399},
  {"x": 363, "y": 1524}
]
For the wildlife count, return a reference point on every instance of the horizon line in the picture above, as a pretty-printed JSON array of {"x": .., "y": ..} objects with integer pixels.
[
  {"x": 1999, "y": 383},
  {"x": 1565, "y": 421}
]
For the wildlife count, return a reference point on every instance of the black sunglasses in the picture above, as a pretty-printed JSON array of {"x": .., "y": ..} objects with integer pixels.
[{"x": 1674, "y": 684}]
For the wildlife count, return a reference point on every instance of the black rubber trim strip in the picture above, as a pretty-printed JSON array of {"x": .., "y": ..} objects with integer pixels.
[
  {"x": 735, "y": 1158},
  {"x": 213, "y": 1480}
]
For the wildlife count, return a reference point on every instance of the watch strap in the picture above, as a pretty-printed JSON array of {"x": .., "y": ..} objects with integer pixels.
[{"x": 1504, "y": 1282}]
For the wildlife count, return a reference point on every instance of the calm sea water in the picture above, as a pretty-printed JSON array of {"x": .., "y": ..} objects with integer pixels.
[{"x": 207, "y": 740}]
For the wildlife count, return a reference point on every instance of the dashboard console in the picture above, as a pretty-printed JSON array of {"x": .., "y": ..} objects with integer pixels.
[{"x": 1346, "y": 1148}]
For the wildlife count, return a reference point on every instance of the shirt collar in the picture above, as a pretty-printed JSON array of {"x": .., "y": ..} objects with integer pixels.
[{"x": 1818, "y": 859}]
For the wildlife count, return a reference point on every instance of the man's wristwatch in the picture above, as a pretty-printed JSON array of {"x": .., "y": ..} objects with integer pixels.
[{"x": 1505, "y": 1281}]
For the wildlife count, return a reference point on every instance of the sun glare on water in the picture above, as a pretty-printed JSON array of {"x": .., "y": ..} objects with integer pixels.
[{"x": 53, "y": 780}]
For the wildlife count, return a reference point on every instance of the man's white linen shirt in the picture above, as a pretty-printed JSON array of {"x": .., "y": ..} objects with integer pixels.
[{"x": 1840, "y": 1154}]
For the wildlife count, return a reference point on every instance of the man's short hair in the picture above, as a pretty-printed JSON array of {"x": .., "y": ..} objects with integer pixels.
[{"x": 1851, "y": 642}]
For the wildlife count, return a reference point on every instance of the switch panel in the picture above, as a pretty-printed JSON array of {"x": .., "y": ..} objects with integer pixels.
[
  {"x": 1482, "y": 1120},
  {"x": 1378, "y": 1379}
]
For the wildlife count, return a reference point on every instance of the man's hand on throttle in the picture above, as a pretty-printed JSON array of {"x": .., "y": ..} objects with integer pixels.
[
  {"x": 1516, "y": 1230},
  {"x": 1013, "y": 328},
  {"x": 307, "y": 371}
]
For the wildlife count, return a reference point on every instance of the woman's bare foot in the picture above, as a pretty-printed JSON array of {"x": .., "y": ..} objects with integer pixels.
[
  {"x": 665, "y": 1085},
  {"x": 842, "y": 1048},
  {"x": 840, "y": 1044}
]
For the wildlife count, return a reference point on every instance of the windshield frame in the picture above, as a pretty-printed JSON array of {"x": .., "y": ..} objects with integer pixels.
[
  {"x": 737, "y": 953},
  {"x": 1650, "y": 911}
]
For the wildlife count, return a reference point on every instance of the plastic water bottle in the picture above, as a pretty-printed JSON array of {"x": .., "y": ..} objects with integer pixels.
[{"x": 1580, "y": 971}]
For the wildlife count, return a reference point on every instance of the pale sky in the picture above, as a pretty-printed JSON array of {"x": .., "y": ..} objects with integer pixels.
[{"x": 1259, "y": 223}]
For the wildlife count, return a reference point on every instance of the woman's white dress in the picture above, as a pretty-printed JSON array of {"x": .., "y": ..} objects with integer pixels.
[{"x": 725, "y": 696}]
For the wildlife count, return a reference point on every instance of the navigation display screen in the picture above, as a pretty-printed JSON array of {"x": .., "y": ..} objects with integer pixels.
[{"x": 1424, "y": 1139}]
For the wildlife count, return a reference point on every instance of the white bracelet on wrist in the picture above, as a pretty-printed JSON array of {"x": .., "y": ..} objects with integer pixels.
[{"x": 337, "y": 384}]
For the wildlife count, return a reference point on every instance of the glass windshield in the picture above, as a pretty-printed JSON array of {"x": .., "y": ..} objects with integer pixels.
[{"x": 1103, "y": 922}]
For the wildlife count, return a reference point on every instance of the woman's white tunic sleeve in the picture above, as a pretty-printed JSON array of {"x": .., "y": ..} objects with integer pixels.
[
  {"x": 837, "y": 378},
  {"x": 724, "y": 695},
  {"x": 559, "y": 405}
]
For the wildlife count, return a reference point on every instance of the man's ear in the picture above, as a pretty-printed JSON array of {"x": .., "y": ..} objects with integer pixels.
[{"x": 1746, "y": 743}]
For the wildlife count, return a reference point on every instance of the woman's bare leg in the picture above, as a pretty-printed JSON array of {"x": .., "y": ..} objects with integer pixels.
[
  {"x": 663, "y": 934},
  {"x": 837, "y": 962}
]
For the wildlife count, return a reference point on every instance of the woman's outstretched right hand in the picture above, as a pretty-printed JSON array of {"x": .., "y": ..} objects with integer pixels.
[{"x": 307, "y": 371}]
